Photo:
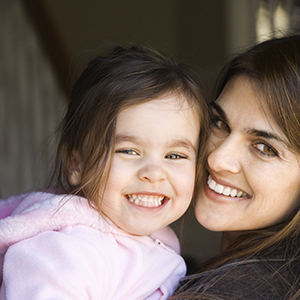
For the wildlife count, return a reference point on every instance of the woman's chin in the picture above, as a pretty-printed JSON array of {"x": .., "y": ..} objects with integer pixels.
[{"x": 207, "y": 221}]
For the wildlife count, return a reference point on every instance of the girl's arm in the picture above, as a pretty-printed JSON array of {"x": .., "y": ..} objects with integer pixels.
[{"x": 53, "y": 265}]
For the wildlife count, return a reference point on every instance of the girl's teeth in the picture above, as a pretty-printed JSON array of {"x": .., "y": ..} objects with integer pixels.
[
  {"x": 146, "y": 201},
  {"x": 227, "y": 191}
]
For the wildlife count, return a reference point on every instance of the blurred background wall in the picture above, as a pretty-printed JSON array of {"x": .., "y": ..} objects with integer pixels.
[{"x": 44, "y": 45}]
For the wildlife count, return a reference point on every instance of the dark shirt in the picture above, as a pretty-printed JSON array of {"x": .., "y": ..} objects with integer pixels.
[{"x": 269, "y": 278}]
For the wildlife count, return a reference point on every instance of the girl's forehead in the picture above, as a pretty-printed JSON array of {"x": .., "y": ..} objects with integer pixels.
[
  {"x": 165, "y": 103},
  {"x": 166, "y": 114}
]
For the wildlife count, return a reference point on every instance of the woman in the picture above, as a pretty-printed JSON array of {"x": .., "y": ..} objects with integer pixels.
[{"x": 252, "y": 187}]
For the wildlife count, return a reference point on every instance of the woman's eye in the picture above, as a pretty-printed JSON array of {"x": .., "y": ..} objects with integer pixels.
[
  {"x": 266, "y": 149},
  {"x": 175, "y": 156},
  {"x": 127, "y": 151},
  {"x": 221, "y": 124}
]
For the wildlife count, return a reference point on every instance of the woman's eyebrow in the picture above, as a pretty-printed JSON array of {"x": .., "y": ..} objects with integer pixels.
[
  {"x": 250, "y": 131},
  {"x": 220, "y": 111},
  {"x": 266, "y": 134}
]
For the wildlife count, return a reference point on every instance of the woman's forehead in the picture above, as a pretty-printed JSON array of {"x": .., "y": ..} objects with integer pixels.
[{"x": 242, "y": 103}]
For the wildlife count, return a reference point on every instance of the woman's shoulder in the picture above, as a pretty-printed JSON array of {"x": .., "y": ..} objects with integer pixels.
[{"x": 270, "y": 277}]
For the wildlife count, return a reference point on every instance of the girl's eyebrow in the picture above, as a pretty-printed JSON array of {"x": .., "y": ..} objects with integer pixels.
[
  {"x": 184, "y": 143},
  {"x": 180, "y": 142},
  {"x": 127, "y": 138},
  {"x": 220, "y": 111}
]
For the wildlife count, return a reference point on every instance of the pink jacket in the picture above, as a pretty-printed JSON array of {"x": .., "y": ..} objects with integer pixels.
[{"x": 57, "y": 247}]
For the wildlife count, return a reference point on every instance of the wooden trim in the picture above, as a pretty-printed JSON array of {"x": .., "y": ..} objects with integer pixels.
[{"x": 50, "y": 40}]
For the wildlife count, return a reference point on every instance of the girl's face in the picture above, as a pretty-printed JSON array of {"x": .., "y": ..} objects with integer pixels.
[
  {"x": 152, "y": 176},
  {"x": 253, "y": 176}
]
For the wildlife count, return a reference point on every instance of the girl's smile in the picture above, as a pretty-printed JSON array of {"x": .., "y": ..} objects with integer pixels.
[{"x": 146, "y": 200}]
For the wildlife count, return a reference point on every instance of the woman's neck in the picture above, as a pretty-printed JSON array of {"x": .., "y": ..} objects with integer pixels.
[{"x": 228, "y": 237}]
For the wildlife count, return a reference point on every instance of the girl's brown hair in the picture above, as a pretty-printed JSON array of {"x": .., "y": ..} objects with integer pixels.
[{"x": 126, "y": 76}]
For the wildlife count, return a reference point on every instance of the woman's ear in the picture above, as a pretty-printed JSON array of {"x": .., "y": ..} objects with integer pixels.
[{"x": 75, "y": 169}]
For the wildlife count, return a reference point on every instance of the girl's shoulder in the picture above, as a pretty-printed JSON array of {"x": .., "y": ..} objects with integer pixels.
[
  {"x": 8, "y": 205},
  {"x": 168, "y": 237},
  {"x": 38, "y": 211}
]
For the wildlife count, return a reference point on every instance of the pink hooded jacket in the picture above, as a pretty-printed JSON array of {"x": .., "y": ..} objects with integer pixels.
[{"x": 58, "y": 247}]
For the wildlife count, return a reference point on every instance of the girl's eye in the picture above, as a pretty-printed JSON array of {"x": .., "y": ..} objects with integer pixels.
[
  {"x": 127, "y": 151},
  {"x": 221, "y": 124},
  {"x": 175, "y": 156},
  {"x": 266, "y": 149}
]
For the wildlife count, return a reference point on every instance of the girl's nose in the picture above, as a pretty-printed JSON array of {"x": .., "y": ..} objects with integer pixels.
[
  {"x": 225, "y": 155},
  {"x": 152, "y": 172}
]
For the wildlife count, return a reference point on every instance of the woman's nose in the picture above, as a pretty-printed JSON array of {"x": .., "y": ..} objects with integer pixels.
[
  {"x": 225, "y": 155},
  {"x": 152, "y": 171}
]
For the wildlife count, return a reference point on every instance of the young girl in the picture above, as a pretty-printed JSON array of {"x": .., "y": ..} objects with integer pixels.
[{"x": 126, "y": 162}]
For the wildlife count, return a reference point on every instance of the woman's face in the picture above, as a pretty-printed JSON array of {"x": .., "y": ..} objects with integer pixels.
[{"x": 253, "y": 176}]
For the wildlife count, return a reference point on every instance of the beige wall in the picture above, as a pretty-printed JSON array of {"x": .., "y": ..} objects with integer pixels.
[
  {"x": 31, "y": 102},
  {"x": 192, "y": 30}
]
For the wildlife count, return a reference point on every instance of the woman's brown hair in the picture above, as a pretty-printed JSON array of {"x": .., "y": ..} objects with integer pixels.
[{"x": 273, "y": 68}]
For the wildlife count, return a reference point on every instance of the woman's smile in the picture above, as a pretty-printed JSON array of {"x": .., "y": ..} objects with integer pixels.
[
  {"x": 225, "y": 190},
  {"x": 251, "y": 170}
]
